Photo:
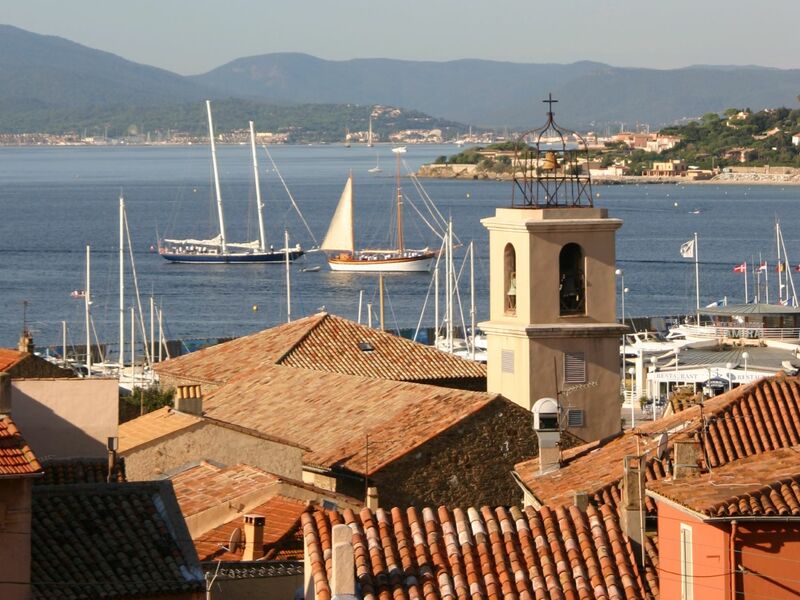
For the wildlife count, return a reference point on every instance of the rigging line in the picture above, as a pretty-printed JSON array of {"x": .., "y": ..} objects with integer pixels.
[
  {"x": 291, "y": 198},
  {"x": 430, "y": 205},
  {"x": 421, "y": 216},
  {"x": 433, "y": 207},
  {"x": 136, "y": 287},
  {"x": 458, "y": 295}
]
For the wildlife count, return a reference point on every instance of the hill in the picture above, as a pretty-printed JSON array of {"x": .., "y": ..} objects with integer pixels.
[{"x": 592, "y": 95}]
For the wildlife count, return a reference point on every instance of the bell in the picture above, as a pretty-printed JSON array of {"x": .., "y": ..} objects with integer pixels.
[{"x": 550, "y": 161}]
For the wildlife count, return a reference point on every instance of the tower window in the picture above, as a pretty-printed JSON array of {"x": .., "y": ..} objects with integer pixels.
[
  {"x": 571, "y": 285},
  {"x": 510, "y": 280}
]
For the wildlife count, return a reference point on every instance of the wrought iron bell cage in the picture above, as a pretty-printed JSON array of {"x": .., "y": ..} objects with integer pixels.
[{"x": 551, "y": 167}]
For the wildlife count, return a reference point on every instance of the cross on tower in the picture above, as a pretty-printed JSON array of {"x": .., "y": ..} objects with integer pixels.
[{"x": 550, "y": 102}]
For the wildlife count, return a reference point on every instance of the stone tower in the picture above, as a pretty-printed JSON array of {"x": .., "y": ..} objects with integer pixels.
[{"x": 552, "y": 330}]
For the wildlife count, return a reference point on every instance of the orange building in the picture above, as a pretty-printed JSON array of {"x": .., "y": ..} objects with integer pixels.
[{"x": 726, "y": 534}]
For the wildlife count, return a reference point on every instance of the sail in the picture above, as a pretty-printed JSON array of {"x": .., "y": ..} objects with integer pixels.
[{"x": 340, "y": 231}]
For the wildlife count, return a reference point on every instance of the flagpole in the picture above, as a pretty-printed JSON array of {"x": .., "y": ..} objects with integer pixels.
[
  {"x": 766, "y": 282},
  {"x": 745, "y": 283},
  {"x": 697, "y": 276}
]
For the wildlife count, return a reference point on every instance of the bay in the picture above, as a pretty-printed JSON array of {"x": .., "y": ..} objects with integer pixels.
[{"x": 55, "y": 200}]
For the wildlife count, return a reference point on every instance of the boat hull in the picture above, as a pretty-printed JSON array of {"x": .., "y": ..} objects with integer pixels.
[
  {"x": 419, "y": 263},
  {"x": 231, "y": 257}
]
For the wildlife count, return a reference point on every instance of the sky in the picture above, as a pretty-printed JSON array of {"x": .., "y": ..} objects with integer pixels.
[{"x": 194, "y": 36}]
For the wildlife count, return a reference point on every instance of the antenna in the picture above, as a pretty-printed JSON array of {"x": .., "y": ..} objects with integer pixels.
[
  {"x": 24, "y": 317},
  {"x": 235, "y": 540}
]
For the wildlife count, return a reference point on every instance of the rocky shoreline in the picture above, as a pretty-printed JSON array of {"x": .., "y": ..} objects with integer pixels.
[{"x": 472, "y": 172}]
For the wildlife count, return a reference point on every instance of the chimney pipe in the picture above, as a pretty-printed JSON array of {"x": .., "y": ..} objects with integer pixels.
[
  {"x": 5, "y": 393},
  {"x": 548, "y": 431},
  {"x": 112, "y": 444},
  {"x": 253, "y": 537},
  {"x": 189, "y": 399},
  {"x": 632, "y": 521},
  {"x": 581, "y": 500},
  {"x": 372, "y": 498}
]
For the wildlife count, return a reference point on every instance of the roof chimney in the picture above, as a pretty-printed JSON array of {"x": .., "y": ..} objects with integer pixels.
[
  {"x": 372, "y": 498},
  {"x": 5, "y": 393},
  {"x": 686, "y": 462},
  {"x": 632, "y": 512},
  {"x": 189, "y": 399},
  {"x": 546, "y": 424},
  {"x": 253, "y": 537},
  {"x": 343, "y": 571},
  {"x": 25, "y": 343}
]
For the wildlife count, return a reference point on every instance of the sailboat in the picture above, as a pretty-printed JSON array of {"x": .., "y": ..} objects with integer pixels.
[
  {"x": 218, "y": 249},
  {"x": 339, "y": 244},
  {"x": 377, "y": 167}
]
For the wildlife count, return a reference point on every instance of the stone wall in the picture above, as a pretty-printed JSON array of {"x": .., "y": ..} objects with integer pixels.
[
  {"x": 208, "y": 441},
  {"x": 470, "y": 464}
]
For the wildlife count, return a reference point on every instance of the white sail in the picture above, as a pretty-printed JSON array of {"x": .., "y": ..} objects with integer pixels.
[{"x": 340, "y": 232}]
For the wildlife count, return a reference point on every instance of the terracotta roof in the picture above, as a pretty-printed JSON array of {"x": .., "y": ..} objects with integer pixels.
[
  {"x": 218, "y": 364},
  {"x": 332, "y": 413},
  {"x": 16, "y": 457},
  {"x": 323, "y": 342},
  {"x": 480, "y": 553},
  {"x": 110, "y": 541},
  {"x": 68, "y": 471},
  {"x": 282, "y": 537},
  {"x": 749, "y": 420},
  {"x": 153, "y": 426},
  {"x": 167, "y": 421},
  {"x": 205, "y": 485},
  {"x": 9, "y": 358},
  {"x": 737, "y": 490},
  {"x": 337, "y": 345}
]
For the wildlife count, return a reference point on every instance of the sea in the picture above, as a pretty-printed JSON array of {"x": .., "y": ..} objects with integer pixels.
[{"x": 54, "y": 201}]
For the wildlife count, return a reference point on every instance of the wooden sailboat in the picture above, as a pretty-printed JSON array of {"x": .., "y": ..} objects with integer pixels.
[
  {"x": 339, "y": 244},
  {"x": 218, "y": 249}
]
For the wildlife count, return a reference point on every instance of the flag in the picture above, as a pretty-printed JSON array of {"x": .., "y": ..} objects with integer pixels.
[
  {"x": 687, "y": 249},
  {"x": 780, "y": 268},
  {"x": 762, "y": 266},
  {"x": 742, "y": 268},
  {"x": 797, "y": 268}
]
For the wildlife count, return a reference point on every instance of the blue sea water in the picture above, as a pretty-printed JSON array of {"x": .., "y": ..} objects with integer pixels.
[{"x": 55, "y": 201}]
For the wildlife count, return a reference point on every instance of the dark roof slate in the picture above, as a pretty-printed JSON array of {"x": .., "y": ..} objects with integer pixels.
[{"x": 125, "y": 540}]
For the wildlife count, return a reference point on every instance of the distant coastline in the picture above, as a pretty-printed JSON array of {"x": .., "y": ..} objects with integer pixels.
[{"x": 756, "y": 176}]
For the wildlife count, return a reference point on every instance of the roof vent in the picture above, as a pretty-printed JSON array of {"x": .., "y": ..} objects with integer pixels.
[{"x": 365, "y": 347}]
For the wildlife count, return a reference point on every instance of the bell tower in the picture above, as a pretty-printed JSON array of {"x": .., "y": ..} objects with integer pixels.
[{"x": 552, "y": 330}]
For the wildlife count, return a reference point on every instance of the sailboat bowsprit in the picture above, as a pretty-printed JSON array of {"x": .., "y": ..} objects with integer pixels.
[{"x": 218, "y": 250}]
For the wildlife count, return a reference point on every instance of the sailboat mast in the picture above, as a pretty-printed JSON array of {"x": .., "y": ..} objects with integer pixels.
[
  {"x": 472, "y": 296},
  {"x": 400, "y": 241},
  {"x": 262, "y": 240},
  {"x": 121, "y": 282},
  {"x": 87, "y": 301},
  {"x": 216, "y": 179},
  {"x": 288, "y": 277},
  {"x": 780, "y": 262}
]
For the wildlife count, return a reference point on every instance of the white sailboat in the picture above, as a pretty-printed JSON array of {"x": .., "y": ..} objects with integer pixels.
[
  {"x": 218, "y": 249},
  {"x": 339, "y": 244},
  {"x": 377, "y": 167}
]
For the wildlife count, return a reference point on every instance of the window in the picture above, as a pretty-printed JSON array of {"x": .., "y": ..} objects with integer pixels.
[
  {"x": 571, "y": 287},
  {"x": 507, "y": 361},
  {"x": 687, "y": 565},
  {"x": 575, "y": 417},
  {"x": 574, "y": 367},
  {"x": 510, "y": 280}
]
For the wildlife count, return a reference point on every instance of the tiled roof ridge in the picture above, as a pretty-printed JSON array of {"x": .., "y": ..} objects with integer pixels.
[
  {"x": 16, "y": 457},
  {"x": 486, "y": 552},
  {"x": 321, "y": 317}
]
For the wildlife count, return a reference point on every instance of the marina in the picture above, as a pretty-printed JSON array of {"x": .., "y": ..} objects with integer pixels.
[{"x": 57, "y": 200}]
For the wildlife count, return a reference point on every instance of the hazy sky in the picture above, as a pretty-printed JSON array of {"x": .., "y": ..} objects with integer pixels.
[{"x": 194, "y": 36}]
